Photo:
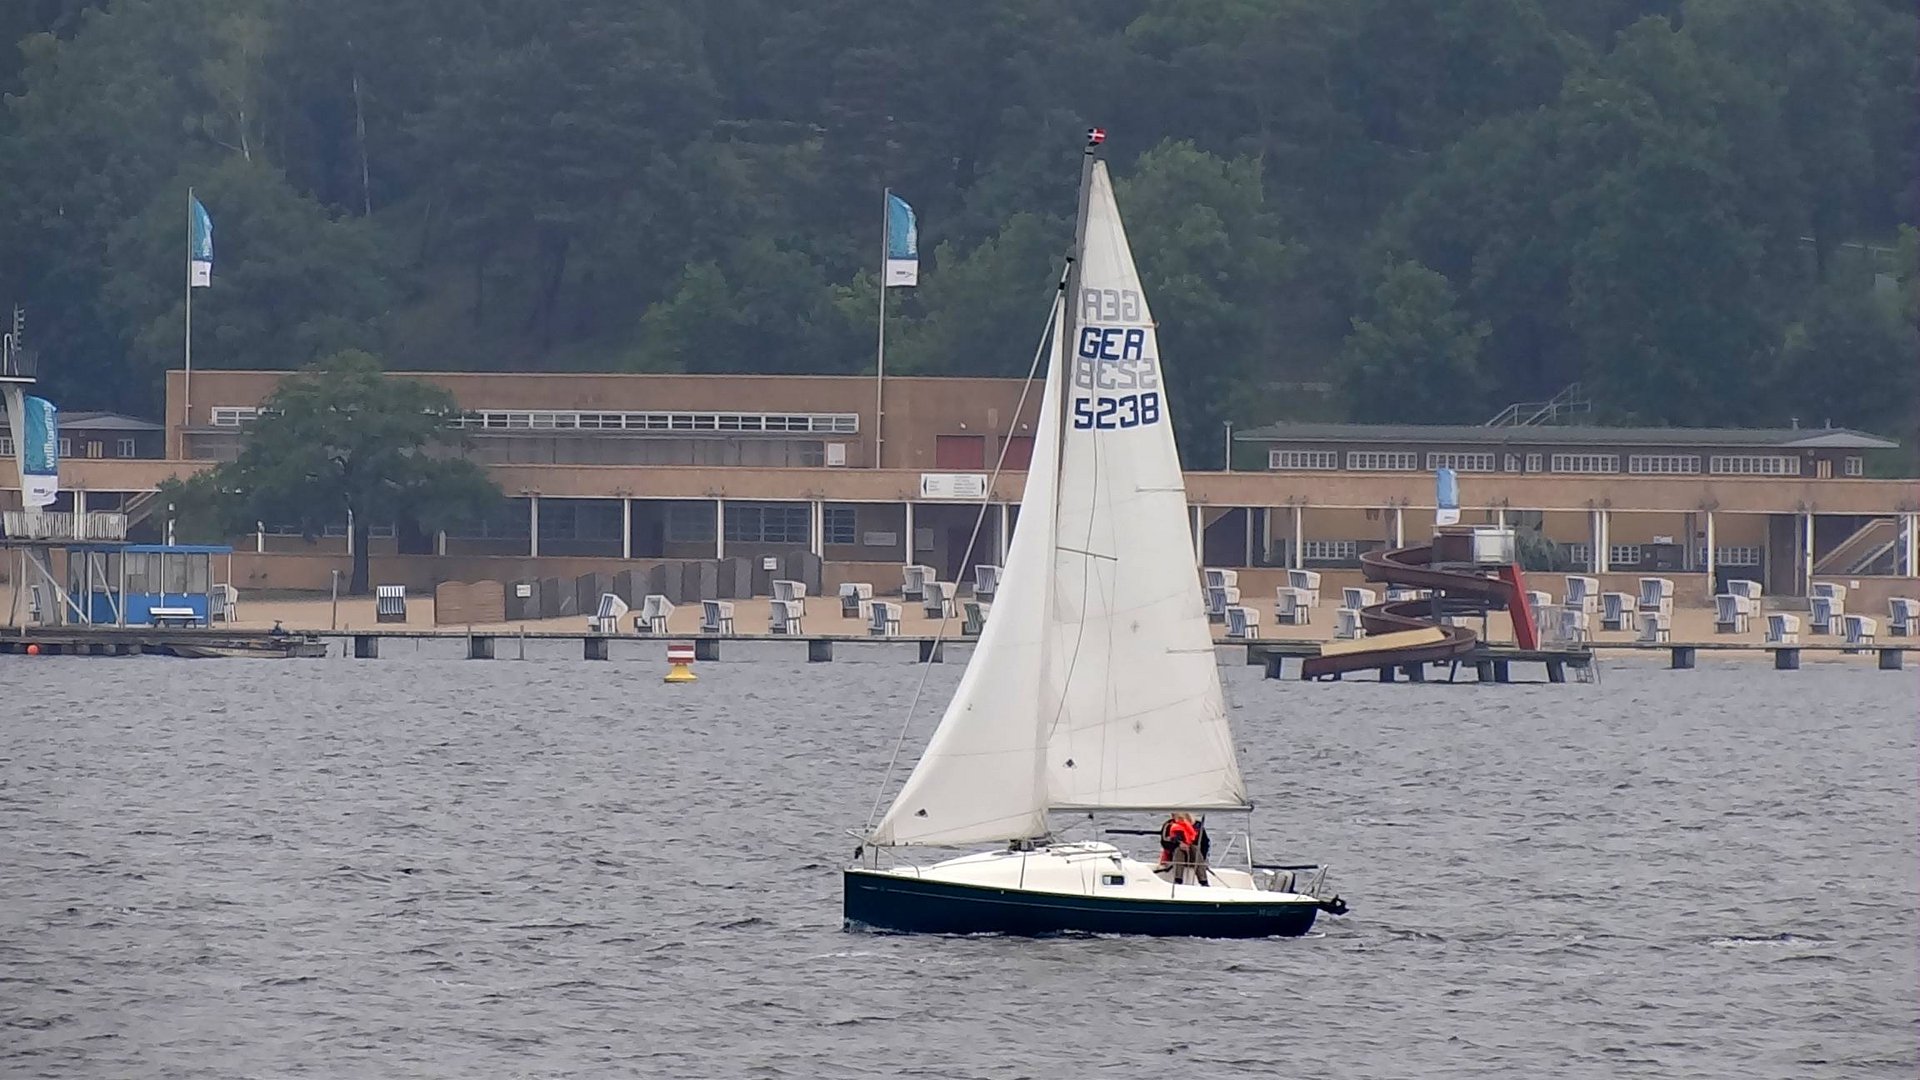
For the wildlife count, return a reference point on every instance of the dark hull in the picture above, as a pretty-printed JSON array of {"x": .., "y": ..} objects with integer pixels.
[{"x": 915, "y": 905}]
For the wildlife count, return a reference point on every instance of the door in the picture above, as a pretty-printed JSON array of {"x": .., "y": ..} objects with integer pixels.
[{"x": 958, "y": 452}]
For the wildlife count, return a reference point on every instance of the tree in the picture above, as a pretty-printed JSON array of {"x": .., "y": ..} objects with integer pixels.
[
  {"x": 1414, "y": 356},
  {"x": 341, "y": 440}
]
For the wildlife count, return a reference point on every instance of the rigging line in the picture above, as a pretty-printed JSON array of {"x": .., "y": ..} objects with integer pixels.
[
  {"x": 986, "y": 499},
  {"x": 1086, "y": 574}
]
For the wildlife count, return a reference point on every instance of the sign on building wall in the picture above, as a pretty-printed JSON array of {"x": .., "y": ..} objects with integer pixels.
[{"x": 953, "y": 485}]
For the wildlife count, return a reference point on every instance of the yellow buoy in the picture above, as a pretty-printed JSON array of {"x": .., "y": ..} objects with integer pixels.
[{"x": 679, "y": 657}]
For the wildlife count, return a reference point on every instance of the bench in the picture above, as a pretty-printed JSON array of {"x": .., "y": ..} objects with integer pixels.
[{"x": 174, "y": 616}]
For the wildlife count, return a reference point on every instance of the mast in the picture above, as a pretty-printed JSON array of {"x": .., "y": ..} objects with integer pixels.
[{"x": 1070, "y": 316}]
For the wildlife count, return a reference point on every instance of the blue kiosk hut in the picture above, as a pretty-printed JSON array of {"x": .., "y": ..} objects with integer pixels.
[{"x": 146, "y": 584}]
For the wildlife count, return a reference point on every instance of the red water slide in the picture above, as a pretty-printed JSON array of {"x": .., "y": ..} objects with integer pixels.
[{"x": 1409, "y": 568}]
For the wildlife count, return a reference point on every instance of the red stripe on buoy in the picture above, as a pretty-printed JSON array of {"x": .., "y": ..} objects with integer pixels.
[{"x": 679, "y": 654}]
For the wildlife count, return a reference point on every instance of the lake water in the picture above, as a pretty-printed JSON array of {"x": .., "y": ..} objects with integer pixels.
[{"x": 425, "y": 866}]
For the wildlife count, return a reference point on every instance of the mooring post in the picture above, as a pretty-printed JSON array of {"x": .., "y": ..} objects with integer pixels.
[
  {"x": 366, "y": 647},
  {"x": 819, "y": 650},
  {"x": 595, "y": 646},
  {"x": 1683, "y": 656},
  {"x": 479, "y": 647},
  {"x": 1786, "y": 659},
  {"x": 1891, "y": 659},
  {"x": 706, "y": 650},
  {"x": 931, "y": 650}
]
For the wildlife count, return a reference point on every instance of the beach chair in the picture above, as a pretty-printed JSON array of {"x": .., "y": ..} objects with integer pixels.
[
  {"x": 1396, "y": 594},
  {"x": 1290, "y": 606},
  {"x": 1346, "y": 625},
  {"x": 1858, "y": 629},
  {"x": 883, "y": 619},
  {"x": 716, "y": 617},
  {"x": 1832, "y": 589},
  {"x": 1655, "y": 627},
  {"x": 1656, "y": 595},
  {"x": 390, "y": 603},
  {"x": 1746, "y": 588},
  {"x": 1219, "y": 599},
  {"x": 783, "y": 616},
  {"x": 975, "y": 617},
  {"x": 655, "y": 610},
  {"x": 986, "y": 581},
  {"x": 1618, "y": 611},
  {"x": 1783, "y": 629},
  {"x": 794, "y": 592},
  {"x": 1243, "y": 623},
  {"x": 224, "y": 604},
  {"x": 1904, "y": 616},
  {"x": 1356, "y": 598},
  {"x": 1731, "y": 613},
  {"x": 1539, "y": 598},
  {"x": 852, "y": 595},
  {"x": 1546, "y": 621},
  {"x": 938, "y": 599},
  {"x": 1583, "y": 594},
  {"x": 1822, "y": 614},
  {"x": 606, "y": 617},
  {"x": 913, "y": 581},
  {"x": 1308, "y": 582},
  {"x": 1576, "y": 625}
]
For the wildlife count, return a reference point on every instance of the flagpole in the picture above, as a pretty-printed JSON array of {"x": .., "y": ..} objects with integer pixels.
[
  {"x": 187, "y": 394},
  {"x": 880, "y": 363}
]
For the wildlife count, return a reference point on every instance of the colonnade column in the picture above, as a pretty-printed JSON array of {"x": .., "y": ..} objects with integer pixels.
[
  {"x": 1806, "y": 554},
  {"x": 1909, "y": 544},
  {"x": 1199, "y": 538},
  {"x": 533, "y": 527},
  {"x": 817, "y": 530},
  {"x": 908, "y": 539},
  {"x": 719, "y": 528},
  {"x": 1004, "y": 538},
  {"x": 1707, "y": 563},
  {"x": 1299, "y": 538},
  {"x": 626, "y": 527},
  {"x": 1398, "y": 518}
]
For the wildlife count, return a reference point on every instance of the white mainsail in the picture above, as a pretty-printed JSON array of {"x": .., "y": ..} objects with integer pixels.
[
  {"x": 1140, "y": 718},
  {"x": 1094, "y": 683}
]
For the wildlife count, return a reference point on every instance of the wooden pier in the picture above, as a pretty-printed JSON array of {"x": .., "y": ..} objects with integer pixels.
[{"x": 1488, "y": 663}]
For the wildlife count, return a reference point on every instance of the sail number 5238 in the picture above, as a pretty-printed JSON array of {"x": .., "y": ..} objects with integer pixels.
[{"x": 1109, "y": 413}]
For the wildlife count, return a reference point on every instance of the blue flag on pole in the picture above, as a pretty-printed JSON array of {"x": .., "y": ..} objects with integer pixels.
[
  {"x": 40, "y": 452},
  {"x": 199, "y": 244},
  {"x": 1446, "y": 497},
  {"x": 903, "y": 243}
]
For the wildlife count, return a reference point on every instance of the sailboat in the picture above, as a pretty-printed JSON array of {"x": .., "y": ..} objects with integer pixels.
[{"x": 1093, "y": 688}]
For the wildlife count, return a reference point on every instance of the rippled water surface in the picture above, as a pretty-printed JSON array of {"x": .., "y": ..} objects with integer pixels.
[{"x": 424, "y": 866}]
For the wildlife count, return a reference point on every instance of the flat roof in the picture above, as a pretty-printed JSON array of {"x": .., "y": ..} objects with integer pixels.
[{"x": 1557, "y": 435}]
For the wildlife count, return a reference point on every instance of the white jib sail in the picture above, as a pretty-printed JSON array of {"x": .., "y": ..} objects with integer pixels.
[
  {"x": 979, "y": 779},
  {"x": 1135, "y": 716}
]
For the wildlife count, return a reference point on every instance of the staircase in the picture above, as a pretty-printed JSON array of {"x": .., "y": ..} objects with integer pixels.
[
  {"x": 1857, "y": 553},
  {"x": 1533, "y": 413}
]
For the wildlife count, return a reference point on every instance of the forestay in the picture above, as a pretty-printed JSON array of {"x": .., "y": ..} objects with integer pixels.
[{"x": 1139, "y": 719}]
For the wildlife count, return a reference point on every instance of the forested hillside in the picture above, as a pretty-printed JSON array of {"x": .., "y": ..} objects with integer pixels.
[{"x": 1433, "y": 206}]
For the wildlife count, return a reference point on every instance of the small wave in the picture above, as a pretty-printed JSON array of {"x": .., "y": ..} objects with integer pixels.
[{"x": 1777, "y": 940}]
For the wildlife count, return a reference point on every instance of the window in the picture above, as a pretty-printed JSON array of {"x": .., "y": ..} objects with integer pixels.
[
  {"x": 6, "y": 447},
  {"x": 1329, "y": 550},
  {"x": 1533, "y": 462},
  {"x": 1856, "y": 466},
  {"x": 1737, "y": 555},
  {"x": 1650, "y": 464},
  {"x": 1461, "y": 462},
  {"x": 125, "y": 448},
  {"x": 66, "y": 448},
  {"x": 1580, "y": 555},
  {"x": 231, "y": 415},
  {"x": 1586, "y": 463},
  {"x": 771, "y": 523},
  {"x": 1623, "y": 554},
  {"x": 1513, "y": 462},
  {"x": 840, "y": 524},
  {"x": 689, "y": 523},
  {"x": 1755, "y": 465},
  {"x": 1303, "y": 459},
  {"x": 1382, "y": 461},
  {"x": 96, "y": 448}
]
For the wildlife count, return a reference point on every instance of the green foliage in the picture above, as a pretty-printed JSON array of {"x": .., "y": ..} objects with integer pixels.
[
  {"x": 343, "y": 440},
  {"x": 1657, "y": 197}
]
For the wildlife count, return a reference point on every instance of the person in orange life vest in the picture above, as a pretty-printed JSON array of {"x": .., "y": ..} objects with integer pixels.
[{"x": 1172, "y": 835}]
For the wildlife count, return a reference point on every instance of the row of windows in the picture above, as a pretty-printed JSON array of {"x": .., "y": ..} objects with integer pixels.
[
  {"x": 568, "y": 420},
  {"x": 125, "y": 448},
  {"x": 1329, "y": 550},
  {"x": 1619, "y": 555},
  {"x": 1637, "y": 464}
]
